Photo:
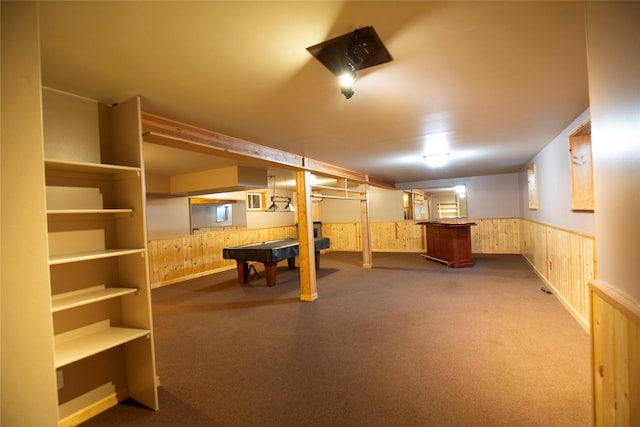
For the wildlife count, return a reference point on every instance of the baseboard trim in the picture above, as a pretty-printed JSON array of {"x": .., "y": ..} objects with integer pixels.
[{"x": 90, "y": 411}]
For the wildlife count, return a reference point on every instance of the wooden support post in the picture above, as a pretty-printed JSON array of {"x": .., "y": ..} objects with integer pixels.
[
  {"x": 365, "y": 227},
  {"x": 308, "y": 287}
]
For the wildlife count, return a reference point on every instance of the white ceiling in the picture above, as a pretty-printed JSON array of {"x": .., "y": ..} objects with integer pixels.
[{"x": 493, "y": 82}]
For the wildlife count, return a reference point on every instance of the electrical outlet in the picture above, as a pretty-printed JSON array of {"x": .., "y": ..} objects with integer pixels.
[{"x": 60, "y": 378}]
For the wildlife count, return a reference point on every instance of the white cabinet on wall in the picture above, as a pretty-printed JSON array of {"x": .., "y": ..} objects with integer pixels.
[{"x": 99, "y": 282}]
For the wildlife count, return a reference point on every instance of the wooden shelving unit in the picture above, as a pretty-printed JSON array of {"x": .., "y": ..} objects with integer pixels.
[
  {"x": 448, "y": 210},
  {"x": 86, "y": 296},
  {"x": 84, "y": 342},
  {"x": 88, "y": 256},
  {"x": 341, "y": 190},
  {"x": 88, "y": 211},
  {"x": 96, "y": 233}
]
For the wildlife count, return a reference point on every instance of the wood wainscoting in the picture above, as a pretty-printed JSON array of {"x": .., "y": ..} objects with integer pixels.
[
  {"x": 175, "y": 259},
  {"x": 565, "y": 260},
  {"x": 387, "y": 236},
  {"x": 615, "y": 338},
  {"x": 490, "y": 236}
]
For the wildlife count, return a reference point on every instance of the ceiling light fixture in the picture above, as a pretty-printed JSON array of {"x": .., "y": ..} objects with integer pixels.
[
  {"x": 346, "y": 80},
  {"x": 349, "y": 53},
  {"x": 437, "y": 160},
  {"x": 279, "y": 199}
]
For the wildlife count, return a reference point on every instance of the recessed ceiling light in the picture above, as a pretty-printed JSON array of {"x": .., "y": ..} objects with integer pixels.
[{"x": 437, "y": 160}]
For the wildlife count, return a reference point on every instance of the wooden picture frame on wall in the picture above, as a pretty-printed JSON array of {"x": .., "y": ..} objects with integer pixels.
[
  {"x": 532, "y": 185},
  {"x": 581, "y": 164}
]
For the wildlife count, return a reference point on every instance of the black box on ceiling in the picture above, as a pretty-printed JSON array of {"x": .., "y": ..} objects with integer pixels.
[{"x": 361, "y": 49}]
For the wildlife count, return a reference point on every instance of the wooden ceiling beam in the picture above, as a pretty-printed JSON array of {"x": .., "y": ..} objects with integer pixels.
[{"x": 163, "y": 131}]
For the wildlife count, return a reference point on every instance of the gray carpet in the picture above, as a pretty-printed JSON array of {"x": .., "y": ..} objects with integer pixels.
[{"x": 407, "y": 343}]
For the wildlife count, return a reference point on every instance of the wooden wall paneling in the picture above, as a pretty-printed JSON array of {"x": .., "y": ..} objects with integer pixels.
[
  {"x": 176, "y": 258},
  {"x": 162, "y": 259},
  {"x": 557, "y": 271},
  {"x": 615, "y": 335},
  {"x": 179, "y": 258},
  {"x": 397, "y": 236},
  {"x": 578, "y": 286},
  {"x": 343, "y": 236},
  {"x": 571, "y": 268},
  {"x": 634, "y": 371},
  {"x": 411, "y": 236},
  {"x": 583, "y": 272},
  {"x": 565, "y": 261},
  {"x": 160, "y": 263},
  {"x": 621, "y": 355},
  {"x": 192, "y": 253},
  {"x": 534, "y": 246},
  {"x": 603, "y": 348},
  {"x": 209, "y": 247},
  {"x": 479, "y": 237},
  {"x": 510, "y": 235},
  {"x": 495, "y": 236}
]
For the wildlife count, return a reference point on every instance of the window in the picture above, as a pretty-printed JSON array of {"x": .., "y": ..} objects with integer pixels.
[
  {"x": 254, "y": 201},
  {"x": 222, "y": 213}
]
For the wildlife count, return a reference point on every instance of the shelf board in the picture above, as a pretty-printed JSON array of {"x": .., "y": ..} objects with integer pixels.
[
  {"x": 93, "y": 339},
  {"x": 326, "y": 196},
  {"x": 341, "y": 189},
  {"x": 88, "y": 211},
  {"x": 85, "y": 296},
  {"x": 69, "y": 166},
  {"x": 86, "y": 256}
]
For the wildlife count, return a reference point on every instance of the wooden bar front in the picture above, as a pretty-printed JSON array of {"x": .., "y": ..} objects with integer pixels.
[{"x": 449, "y": 243}]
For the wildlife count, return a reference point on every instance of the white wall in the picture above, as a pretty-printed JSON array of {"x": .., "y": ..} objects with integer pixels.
[
  {"x": 168, "y": 218},
  {"x": 489, "y": 196},
  {"x": 614, "y": 86},
  {"x": 554, "y": 185},
  {"x": 384, "y": 205},
  {"x": 239, "y": 211},
  {"x": 259, "y": 219}
]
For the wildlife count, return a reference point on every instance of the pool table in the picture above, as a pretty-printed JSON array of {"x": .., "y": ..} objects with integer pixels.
[{"x": 269, "y": 253}]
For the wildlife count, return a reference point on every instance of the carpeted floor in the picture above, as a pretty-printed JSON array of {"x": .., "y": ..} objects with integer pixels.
[{"x": 406, "y": 343}]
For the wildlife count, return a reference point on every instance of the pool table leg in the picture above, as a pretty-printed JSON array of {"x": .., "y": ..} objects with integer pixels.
[
  {"x": 270, "y": 269},
  {"x": 243, "y": 271},
  {"x": 291, "y": 262}
]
